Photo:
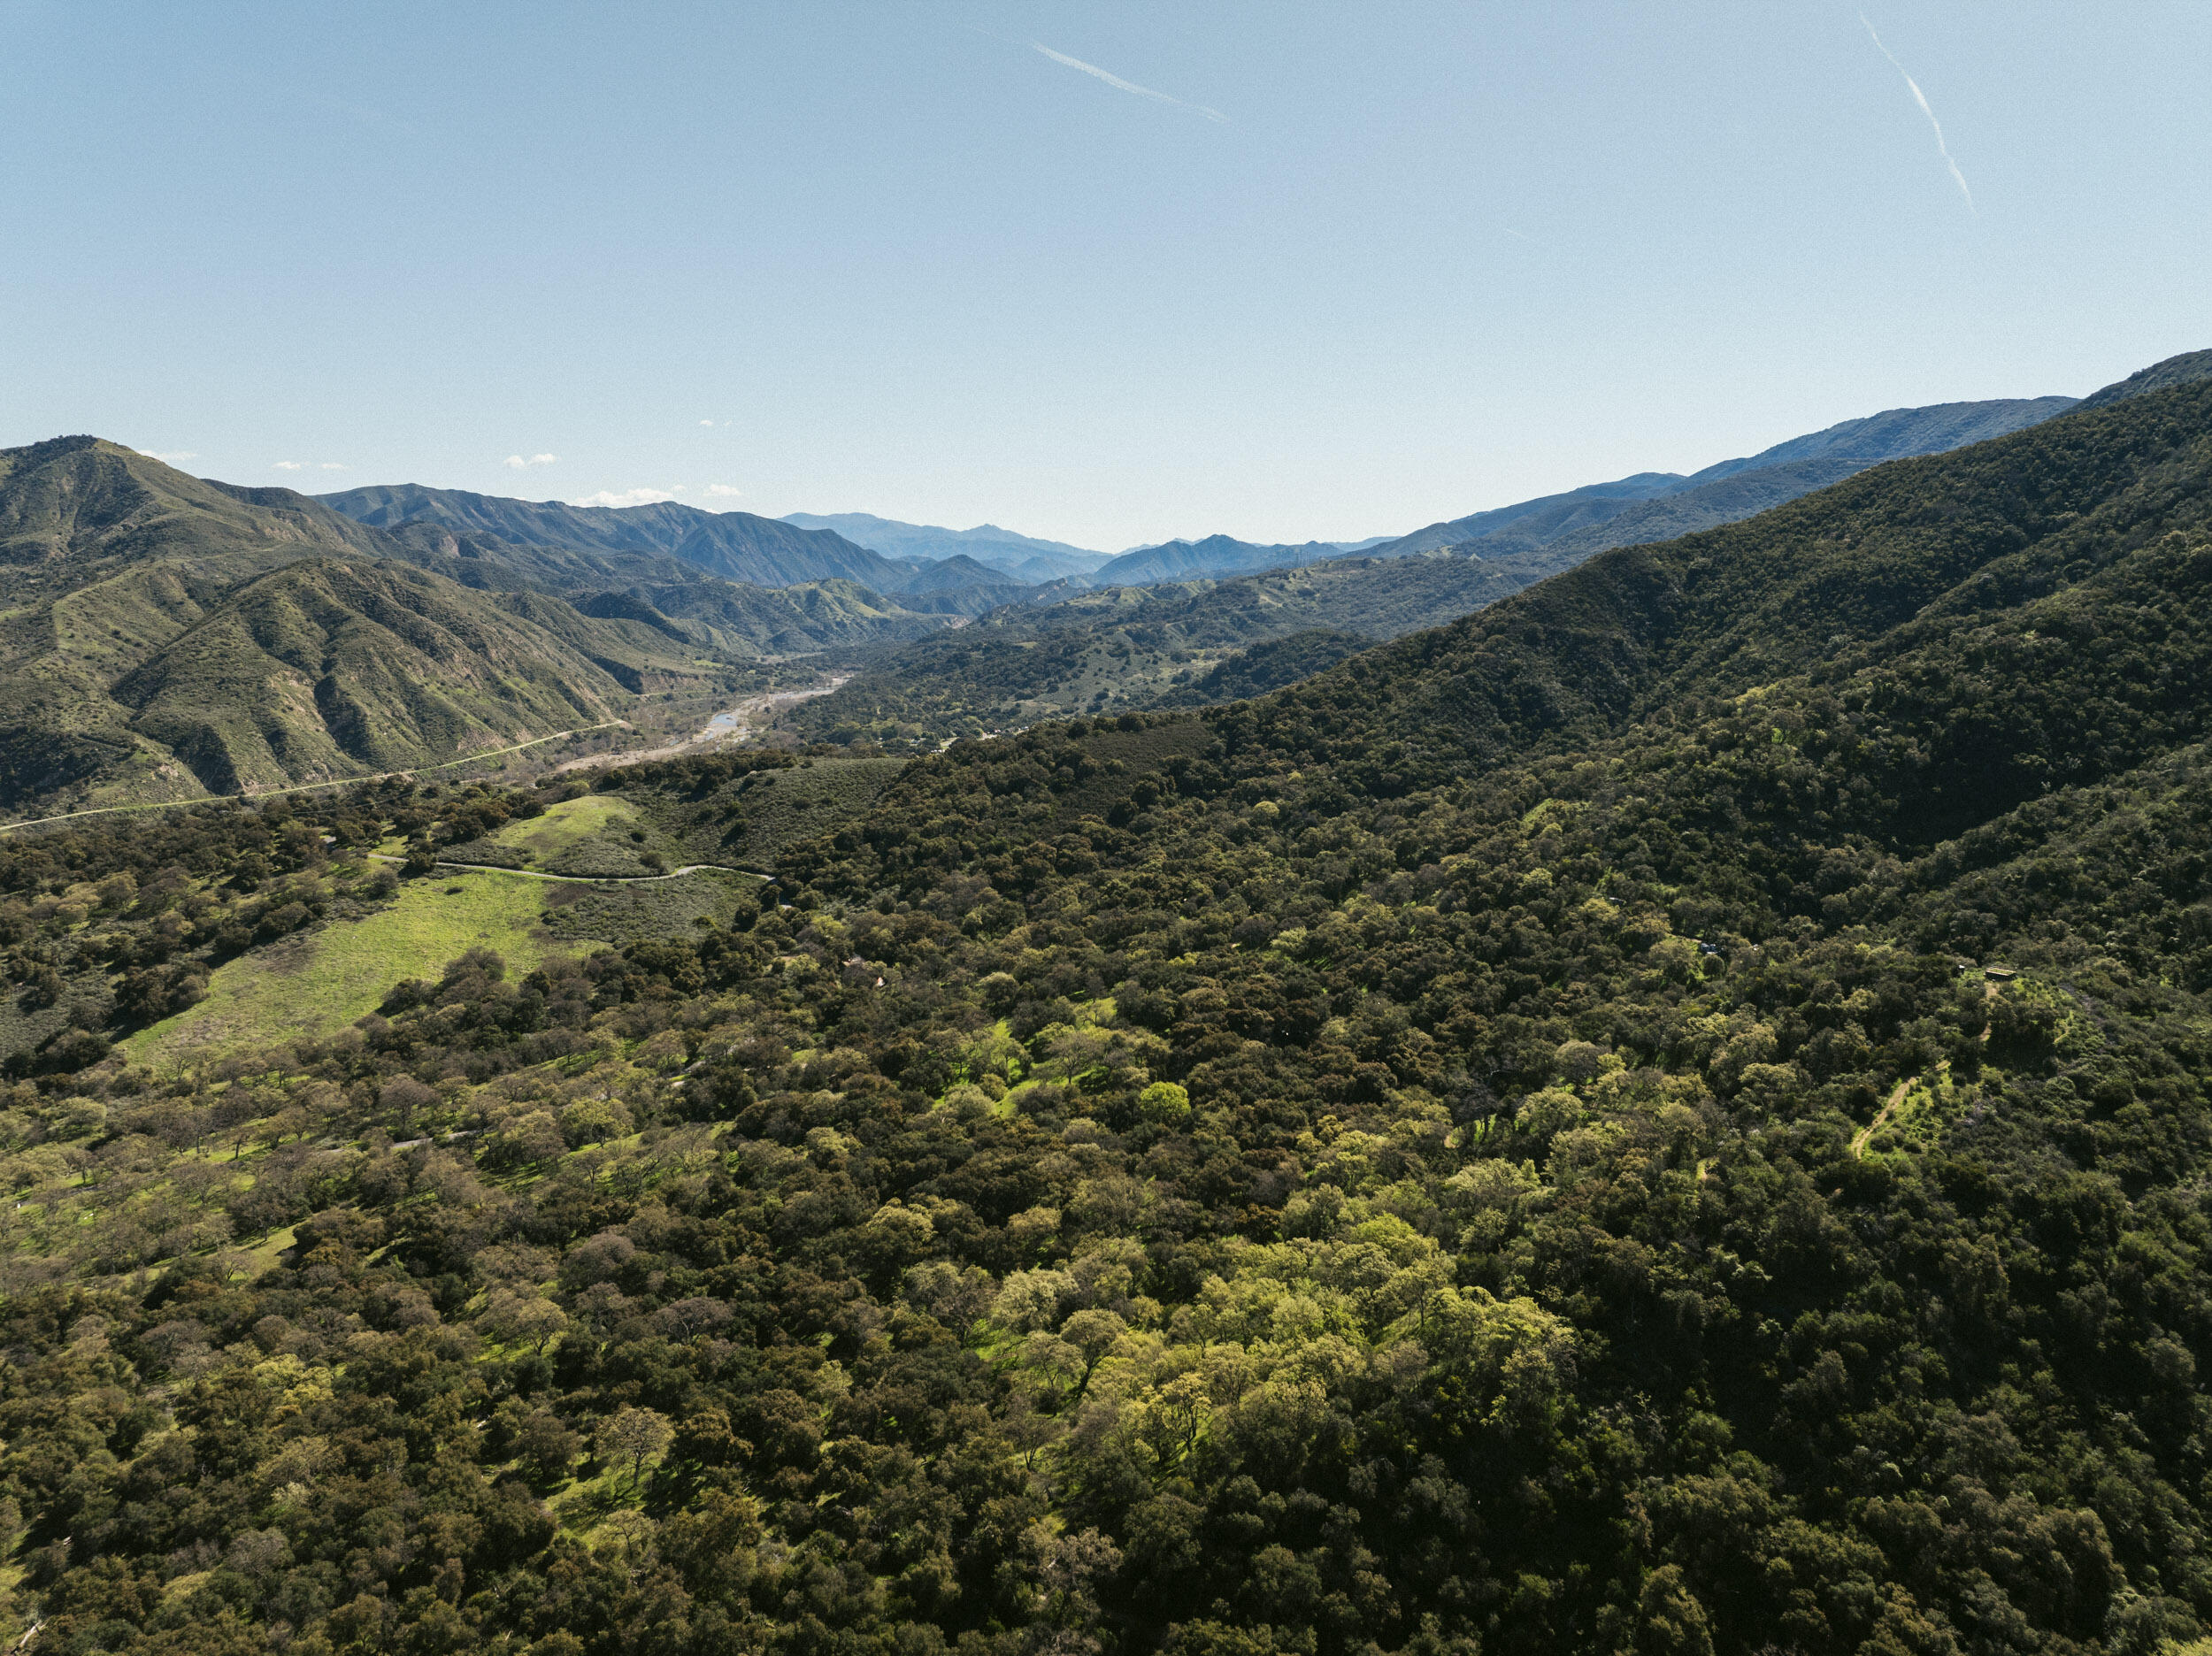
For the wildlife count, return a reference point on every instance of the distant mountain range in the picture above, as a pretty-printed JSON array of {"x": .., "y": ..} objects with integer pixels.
[
  {"x": 928, "y": 569},
  {"x": 1215, "y": 555},
  {"x": 738, "y": 546},
  {"x": 1176, "y": 641},
  {"x": 1658, "y": 505},
  {"x": 1023, "y": 557},
  {"x": 1072, "y": 567},
  {"x": 1648, "y": 506}
]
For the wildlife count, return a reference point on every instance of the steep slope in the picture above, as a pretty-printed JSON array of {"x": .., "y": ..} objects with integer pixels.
[
  {"x": 732, "y": 617},
  {"x": 1657, "y": 506},
  {"x": 1828, "y": 586},
  {"x": 166, "y": 635},
  {"x": 105, "y": 556},
  {"x": 77, "y": 511},
  {"x": 326, "y": 668},
  {"x": 738, "y": 546}
]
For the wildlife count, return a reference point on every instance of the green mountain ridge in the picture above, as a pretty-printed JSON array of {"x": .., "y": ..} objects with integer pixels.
[
  {"x": 322, "y": 669},
  {"x": 746, "y": 620},
  {"x": 168, "y": 636},
  {"x": 737, "y": 545}
]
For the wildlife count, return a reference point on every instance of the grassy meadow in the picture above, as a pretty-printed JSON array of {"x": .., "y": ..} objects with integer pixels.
[{"x": 322, "y": 980}]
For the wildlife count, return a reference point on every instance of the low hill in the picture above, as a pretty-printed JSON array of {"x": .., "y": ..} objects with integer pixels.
[{"x": 1269, "y": 666}]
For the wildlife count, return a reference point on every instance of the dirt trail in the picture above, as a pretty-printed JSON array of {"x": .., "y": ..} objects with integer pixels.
[
  {"x": 734, "y": 724},
  {"x": 589, "y": 879},
  {"x": 1937, "y": 1080},
  {"x": 1898, "y": 1094}
]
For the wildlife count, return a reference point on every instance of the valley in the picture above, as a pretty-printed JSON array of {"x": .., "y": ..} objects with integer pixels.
[
  {"x": 1275, "y": 1150},
  {"x": 1105, "y": 830}
]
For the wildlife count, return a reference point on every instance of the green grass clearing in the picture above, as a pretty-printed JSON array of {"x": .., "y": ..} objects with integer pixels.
[
  {"x": 263, "y": 1255},
  {"x": 755, "y": 819},
  {"x": 588, "y": 836},
  {"x": 567, "y": 825},
  {"x": 322, "y": 980},
  {"x": 631, "y": 914}
]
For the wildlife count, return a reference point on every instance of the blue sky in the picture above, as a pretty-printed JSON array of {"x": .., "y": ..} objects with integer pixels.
[{"x": 1352, "y": 270}]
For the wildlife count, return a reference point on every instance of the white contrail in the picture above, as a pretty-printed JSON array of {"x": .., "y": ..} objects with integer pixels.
[
  {"x": 1921, "y": 98},
  {"x": 1127, "y": 85}
]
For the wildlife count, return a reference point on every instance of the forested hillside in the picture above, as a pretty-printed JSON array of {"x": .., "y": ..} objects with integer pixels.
[
  {"x": 1119, "y": 648},
  {"x": 1666, "y": 1117}
]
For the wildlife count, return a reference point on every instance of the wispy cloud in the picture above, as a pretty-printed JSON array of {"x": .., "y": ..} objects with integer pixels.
[
  {"x": 309, "y": 465},
  {"x": 1921, "y": 98},
  {"x": 523, "y": 462},
  {"x": 706, "y": 422},
  {"x": 1115, "y": 80},
  {"x": 171, "y": 456},
  {"x": 630, "y": 496},
  {"x": 331, "y": 466},
  {"x": 291, "y": 465},
  {"x": 723, "y": 491}
]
